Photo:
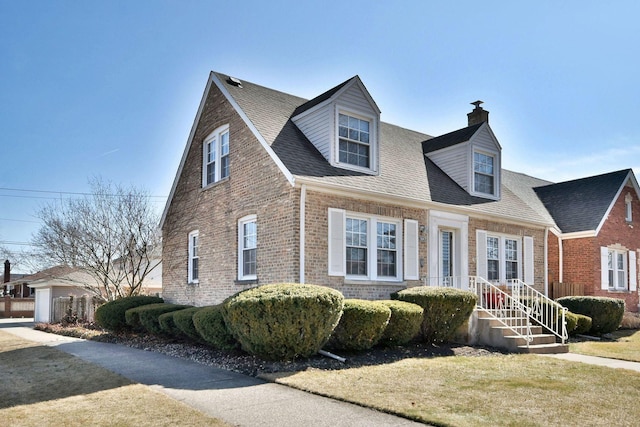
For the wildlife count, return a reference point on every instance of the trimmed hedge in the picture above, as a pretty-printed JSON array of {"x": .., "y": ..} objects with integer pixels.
[
  {"x": 606, "y": 313},
  {"x": 111, "y": 316},
  {"x": 361, "y": 326},
  {"x": 168, "y": 325},
  {"x": 583, "y": 325},
  {"x": 445, "y": 309},
  {"x": 404, "y": 324},
  {"x": 283, "y": 321},
  {"x": 184, "y": 321},
  {"x": 209, "y": 324},
  {"x": 148, "y": 315}
]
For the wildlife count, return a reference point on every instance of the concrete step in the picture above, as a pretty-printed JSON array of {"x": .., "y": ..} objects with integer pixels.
[
  {"x": 555, "y": 348},
  {"x": 516, "y": 341}
]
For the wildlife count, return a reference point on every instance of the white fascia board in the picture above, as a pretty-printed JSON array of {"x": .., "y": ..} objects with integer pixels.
[
  {"x": 253, "y": 130},
  {"x": 408, "y": 202},
  {"x": 578, "y": 235},
  {"x": 630, "y": 177},
  {"x": 186, "y": 150}
]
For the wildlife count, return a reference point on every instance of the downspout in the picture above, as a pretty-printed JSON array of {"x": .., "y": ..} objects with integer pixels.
[
  {"x": 560, "y": 260},
  {"x": 303, "y": 201},
  {"x": 546, "y": 261}
]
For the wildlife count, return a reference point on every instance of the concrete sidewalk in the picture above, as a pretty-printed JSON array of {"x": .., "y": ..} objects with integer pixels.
[
  {"x": 600, "y": 361},
  {"x": 235, "y": 398}
]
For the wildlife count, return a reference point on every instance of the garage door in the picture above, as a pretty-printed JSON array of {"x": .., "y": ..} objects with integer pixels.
[{"x": 43, "y": 306}]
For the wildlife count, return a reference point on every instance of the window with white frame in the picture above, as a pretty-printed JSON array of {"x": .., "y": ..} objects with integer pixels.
[
  {"x": 247, "y": 248},
  {"x": 628, "y": 208},
  {"x": 503, "y": 258},
  {"x": 354, "y": 140},
  {"x": 216, "y": 156},
  {"x": 484, "y": 173},
  {"x": 372, "y": 248},
  {"x": 617, "y": 263},
  {"x": 194, "y": 258}
]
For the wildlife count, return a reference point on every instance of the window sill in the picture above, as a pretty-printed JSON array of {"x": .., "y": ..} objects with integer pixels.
[
  {"x": 351, "y": 281},
  {"x": 619, "y": 291},
  {"x": 214, "y": 184},
  {"x": 246, "y": 282}
]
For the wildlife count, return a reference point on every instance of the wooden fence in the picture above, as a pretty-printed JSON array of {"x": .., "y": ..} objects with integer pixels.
[
  {"x": 83, "y": 308},
  {"x": 557, "y": 290}
]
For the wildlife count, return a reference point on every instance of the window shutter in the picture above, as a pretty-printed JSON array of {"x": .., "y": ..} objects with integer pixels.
[
  {"x": 528, "y": 260},
  {"x": 336, "y": 256},
  {"x": 604, "y": 268},
  {"x": 411, "y": 257},
  {"x": 633, "y": 274},
  {"x": 481, "y": 254}
]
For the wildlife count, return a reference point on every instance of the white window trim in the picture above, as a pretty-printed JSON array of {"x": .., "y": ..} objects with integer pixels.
[
  {"x": 373, "y": 140},
  {"x": 241, "y": 222},
  {"x": 215, "y": 135},
  {"x": 615, "y": 286},
  {"x": 496, "y": 173},
  {"x": 190, "y": 257},
  {"x": 502, "y": 257}
]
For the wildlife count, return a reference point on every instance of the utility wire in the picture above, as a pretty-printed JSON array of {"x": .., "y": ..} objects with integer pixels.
[{"x": 64, "y": 192}]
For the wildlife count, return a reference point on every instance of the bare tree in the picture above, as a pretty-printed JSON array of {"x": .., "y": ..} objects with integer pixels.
[{"x": 111, "y": 234}]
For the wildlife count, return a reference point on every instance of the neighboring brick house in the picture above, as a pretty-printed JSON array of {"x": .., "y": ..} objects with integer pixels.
[
  {"x": 275, "y": 188},
  {"x": 598, "y": 243}
]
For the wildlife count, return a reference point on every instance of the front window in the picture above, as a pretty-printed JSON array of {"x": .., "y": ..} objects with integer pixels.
[
  {"x": 503, "y": 258},
  {"x": 194, "y": 258},
  {"x": 354, "y": 141},
  {"x": 483, "y": 173},
  {"x": 372, "y": 248},
  {"x": 617, "y": 270},
  {"x": 216, "y": 156},
  {"x": 247, "y": 248}
]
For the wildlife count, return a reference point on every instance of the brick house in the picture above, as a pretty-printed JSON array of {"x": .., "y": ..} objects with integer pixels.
[
  {"x": 275, "y": 188},
  {"x": 597, "y": 239}
]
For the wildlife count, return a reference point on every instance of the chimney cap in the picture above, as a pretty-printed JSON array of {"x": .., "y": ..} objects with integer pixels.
[{"x": 477, "y": 104}]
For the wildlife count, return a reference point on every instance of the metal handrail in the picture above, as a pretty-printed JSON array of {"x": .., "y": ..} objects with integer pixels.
[{"x": 544, "y": 310}]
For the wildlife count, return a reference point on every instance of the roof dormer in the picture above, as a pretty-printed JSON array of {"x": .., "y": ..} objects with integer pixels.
[
  {"x": 343, "y": 124},
  {"x": 470, "y": 156}
]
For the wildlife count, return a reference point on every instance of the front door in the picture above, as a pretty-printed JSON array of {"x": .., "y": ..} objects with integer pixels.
[{"x": 446, "y": 265}]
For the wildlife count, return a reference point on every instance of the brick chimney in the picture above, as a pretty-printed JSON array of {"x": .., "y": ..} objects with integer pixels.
[
  {"x": 478, "y": 115},
  {"x": 7, "y": 271}
]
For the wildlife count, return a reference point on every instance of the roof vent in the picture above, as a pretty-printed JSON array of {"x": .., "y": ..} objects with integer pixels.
[{"x": 235, "y": 82}]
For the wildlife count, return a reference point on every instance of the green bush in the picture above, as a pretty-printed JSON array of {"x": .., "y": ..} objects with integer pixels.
[
  {"x": 572, "y": 322},
  {"x": 606, "y": 313},
  {"x": 184, "y": 321},
  {"x": 283, "y": 321},
  {"x": 211, "y": 328},
  {"x": 583, "y": 325},
  {"x": 404, "y": 324},
  {"x": 111, "y": 316},
  {"x": 445, "y": 309},
  {"x": 148, "y": 315},
  {"x": 168, "y": 325},
  {"x": 361, "y": 326}
]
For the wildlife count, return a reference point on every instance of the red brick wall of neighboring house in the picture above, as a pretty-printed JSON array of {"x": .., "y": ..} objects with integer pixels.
[
  {"x": 553, "y": 258},
  {"x": 581, "y": 257},
  {"x": 255, "y": 186},
  {"x": 510, "y": 230},
  {"x": 316, "y": 244}
]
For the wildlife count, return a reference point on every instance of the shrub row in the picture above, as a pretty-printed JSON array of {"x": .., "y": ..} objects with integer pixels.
[
  {"x": 111, "y": 315},
  {"x": 286, "y": 321},
  {"x": 605, "y": 313}
]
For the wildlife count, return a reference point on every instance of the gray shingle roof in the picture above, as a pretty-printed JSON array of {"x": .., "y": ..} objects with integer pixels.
[
  {"x": 450, "y": 139},
  {"x": 580, "y": 204},
  {"x": 404, "y": 169}
]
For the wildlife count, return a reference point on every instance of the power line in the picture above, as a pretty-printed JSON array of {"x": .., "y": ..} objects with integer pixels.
[
  {"x": 64, "y": 192},
  {"x": 9, "y": 242},
  {"x": 20, "y": 220}
]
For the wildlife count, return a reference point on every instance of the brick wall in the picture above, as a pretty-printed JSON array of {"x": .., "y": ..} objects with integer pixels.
[
  {"x": 581, "y": 257},
  {"x": 255, "y": 186},
  {"x": 553, "y": 258}
]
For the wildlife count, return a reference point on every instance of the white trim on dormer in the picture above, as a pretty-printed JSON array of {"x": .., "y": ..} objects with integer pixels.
[
  {"x": 374, "y": 147},
  {"x": 630, "y": 179}
]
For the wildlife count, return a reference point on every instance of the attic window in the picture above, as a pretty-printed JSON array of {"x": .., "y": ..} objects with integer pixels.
[
  {"x": 627, "y": 208},
  {"x": 483, "y": 173},
  {"x": 354, "y": 136}
]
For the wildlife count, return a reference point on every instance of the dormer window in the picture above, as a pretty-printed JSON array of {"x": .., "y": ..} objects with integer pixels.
[
  {"x": 354, "y": 136},
  {"x": 483, "y": 173}
]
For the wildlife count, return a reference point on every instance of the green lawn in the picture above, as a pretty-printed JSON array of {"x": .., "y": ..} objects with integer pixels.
[
  {"x": 626, "y": 346},
  {"x": 511, "y": 390}
]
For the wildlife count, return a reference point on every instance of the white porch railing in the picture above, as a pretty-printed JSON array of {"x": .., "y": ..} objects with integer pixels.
[
  {"x": 504, "y": 306},
  {"x": 544, "y": 310},
  {"x": 499, "y": 305}
]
